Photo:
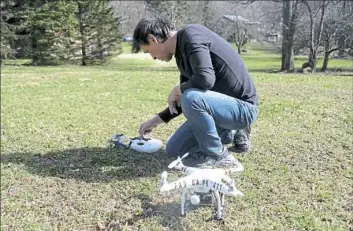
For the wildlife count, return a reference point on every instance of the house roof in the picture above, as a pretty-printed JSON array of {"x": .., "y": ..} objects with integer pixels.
[{"x": 235, "y": 18}]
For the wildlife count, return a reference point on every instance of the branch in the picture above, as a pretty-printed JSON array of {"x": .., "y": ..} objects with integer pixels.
[
  {"x": 332, "y": 50},
  {"x": 349, "y": 52},
  {"x": 324, "y": 5},
  {"x": 311, "y": 24}
]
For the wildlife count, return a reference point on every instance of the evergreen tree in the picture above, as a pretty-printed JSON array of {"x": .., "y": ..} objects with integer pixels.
[
  {"x": 99, "y": 29},
  {"x": 53, "y": 30},
  {"x": 58, "y": 31},
  {"x": 7, "y": 33},
  {"x": 15, "y": 37},
  {"x": 11, "y": 28}
]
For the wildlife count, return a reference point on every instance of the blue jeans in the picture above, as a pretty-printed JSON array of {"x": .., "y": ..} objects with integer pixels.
[{"x": 210, "y": 118}]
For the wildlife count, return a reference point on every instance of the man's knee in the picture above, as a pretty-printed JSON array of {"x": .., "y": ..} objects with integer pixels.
[
  {"x": 191, "y": 98},
  {"x": 171, "y": 150}
]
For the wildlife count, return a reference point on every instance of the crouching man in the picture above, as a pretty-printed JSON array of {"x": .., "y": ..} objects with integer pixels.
[{"x": 216, "y": 93}]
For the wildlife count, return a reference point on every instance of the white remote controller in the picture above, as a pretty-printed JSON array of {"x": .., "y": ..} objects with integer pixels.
[{"x": 149, "y": 145}]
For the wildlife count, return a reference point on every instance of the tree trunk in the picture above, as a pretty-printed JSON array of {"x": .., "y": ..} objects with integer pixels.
[
  {"x": 206, "y": 12},
  {"x": 288, "y": 29},
  {"x": 312, "y": 59},
  {"x": 325, "y": 64},
  {"x": 82, "y": 32},
  {"x": 342, "y": 39},
  {"x": 100, "y": 48},
  {"x": 341, "y": 44},
  {"x": 239, "y": 49},
  {"x": 289, "y": 60},
  {"x": 312, "y": 53},
  {"x": 327, "y": 55}
]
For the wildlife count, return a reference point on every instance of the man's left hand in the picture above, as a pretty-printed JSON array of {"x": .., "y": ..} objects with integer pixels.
[{"x": 174, "y": 99}]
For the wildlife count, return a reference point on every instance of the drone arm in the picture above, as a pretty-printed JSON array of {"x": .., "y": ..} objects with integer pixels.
[
  {"x": 164, "y": 178},
  {"x": 177, "y": 163},
  {"x": 228, "y": 180},
  {"x": 180, "y": 166},
  {"x": 183, "y": 198},
  {"x": 218, "y": 204}
]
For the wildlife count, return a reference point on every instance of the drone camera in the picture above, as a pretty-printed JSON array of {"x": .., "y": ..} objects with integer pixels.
[{"x": 195, "y": 199}]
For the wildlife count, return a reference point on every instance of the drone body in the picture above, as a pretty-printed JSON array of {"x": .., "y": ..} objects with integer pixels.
[
  {"x": 211, "y": 182},
  {"x": 203, "y": 181}
]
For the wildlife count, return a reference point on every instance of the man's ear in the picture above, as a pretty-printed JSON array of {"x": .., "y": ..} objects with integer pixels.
[{"x": 152, "y": 39}]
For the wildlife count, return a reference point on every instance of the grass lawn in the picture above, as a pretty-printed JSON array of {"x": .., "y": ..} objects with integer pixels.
[{"x": 58, "y": 174}]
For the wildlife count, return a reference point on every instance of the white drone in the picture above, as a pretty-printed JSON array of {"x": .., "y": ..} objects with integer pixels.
[{"x": 207, "y": 182}]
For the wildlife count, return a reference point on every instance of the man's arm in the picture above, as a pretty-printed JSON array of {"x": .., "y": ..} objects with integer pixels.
[
  {"x": 165, "y": 115},
  {"x": 203, "y": 73}
]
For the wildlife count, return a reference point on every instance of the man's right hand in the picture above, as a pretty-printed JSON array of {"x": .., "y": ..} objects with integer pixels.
[{"x": 146, "y": 127}]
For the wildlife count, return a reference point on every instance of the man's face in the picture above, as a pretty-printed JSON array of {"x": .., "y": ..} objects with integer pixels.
[{"x": 156, "y": 49}]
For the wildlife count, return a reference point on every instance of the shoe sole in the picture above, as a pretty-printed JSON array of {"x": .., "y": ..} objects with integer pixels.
[{"x": 242, "y": 148}]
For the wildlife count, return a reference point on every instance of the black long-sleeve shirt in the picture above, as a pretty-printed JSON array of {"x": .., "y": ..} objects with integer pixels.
[{"x": 207, "y": 61}]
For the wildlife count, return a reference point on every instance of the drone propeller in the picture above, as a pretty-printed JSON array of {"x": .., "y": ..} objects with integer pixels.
[
  {"x": 238, "y": 167},
  {"x": 177, "y": 161}
]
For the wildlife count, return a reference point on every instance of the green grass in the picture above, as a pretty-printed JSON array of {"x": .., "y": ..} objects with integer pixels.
[
  {"x": 264, "y": 57},
  {"x": 126, "y": 47},
  {"x": 58, "y": 174}
]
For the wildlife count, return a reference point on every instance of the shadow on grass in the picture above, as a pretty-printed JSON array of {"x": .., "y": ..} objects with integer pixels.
[
  {"x": 168, "y": 216},
  {"x": 91, "y": 164},
  {"x": 168, "y": 213}
]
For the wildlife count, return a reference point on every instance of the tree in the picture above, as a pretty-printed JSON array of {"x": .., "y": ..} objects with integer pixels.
[
  {"x": 14, "y": 18},
  {"x": 346, "y": 32},
  {"x": 100, "y": 35},
  {"x": 130, "y": 12},
  {"x": 290, "y": 20},
  {"x": 206, "y": 16},
  {"x": 178, "y": 12},
  {"x": 336, "y": 31},
  {"x": 53, "y": 28},
  {"x": 7, "y": 31},
  {"x": 240, "y": 34},
  {"x": 315, "y": 33}
]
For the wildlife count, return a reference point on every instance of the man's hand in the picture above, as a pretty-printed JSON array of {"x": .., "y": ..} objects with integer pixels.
[
  {"x": 146, "y": 127},
  {"x": 174, "y": 100}
]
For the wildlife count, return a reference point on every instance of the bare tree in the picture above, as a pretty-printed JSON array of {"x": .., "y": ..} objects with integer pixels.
[
  {"x": 131, "y": 12},
  {"x": 346, "y": 12},
  {"x": 315, "y": 34},
  {"x": 336, "y": 31},
  {"x": 240, "y": 34}
]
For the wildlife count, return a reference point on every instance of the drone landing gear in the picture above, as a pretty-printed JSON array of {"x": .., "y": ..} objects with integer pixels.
[
  {"x": 220, "y": 208},
  {"x": 205, "y": 199},
  {"x": 183, "y": 201},
  {"x": 218, "y": 202}
]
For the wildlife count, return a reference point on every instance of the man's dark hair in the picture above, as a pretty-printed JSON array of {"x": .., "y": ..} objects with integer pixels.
[{"x": 159, "y": 27}]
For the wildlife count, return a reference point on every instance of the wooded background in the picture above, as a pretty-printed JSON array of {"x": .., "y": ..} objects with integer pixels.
[{"x": 87, "y": 32}]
